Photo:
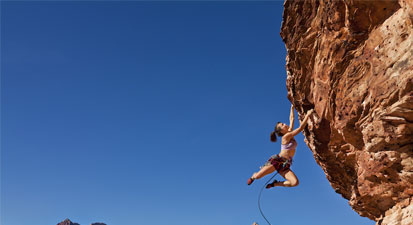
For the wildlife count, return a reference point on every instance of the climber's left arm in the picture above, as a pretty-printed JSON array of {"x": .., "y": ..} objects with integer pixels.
[
  {"x": 291, "y": 134},
  {"x": 291, "y": 119}
]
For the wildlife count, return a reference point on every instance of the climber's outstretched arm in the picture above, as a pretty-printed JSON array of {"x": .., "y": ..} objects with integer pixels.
[
  {"x": 292, "y": 117},
  {"x": 291, "y": 134}
]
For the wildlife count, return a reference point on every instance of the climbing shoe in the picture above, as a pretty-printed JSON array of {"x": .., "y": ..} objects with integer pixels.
[
  {"x": 272, "y": 184},
  {"x": 250, "y": 180}
]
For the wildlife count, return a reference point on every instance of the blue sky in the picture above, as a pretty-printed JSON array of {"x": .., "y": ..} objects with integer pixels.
[{"x": 149, "y": 113}]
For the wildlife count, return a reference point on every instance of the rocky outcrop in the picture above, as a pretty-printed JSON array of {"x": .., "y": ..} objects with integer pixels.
[
  {"x": 352, "y": 61},
  {"x": 68, "y": 222}
]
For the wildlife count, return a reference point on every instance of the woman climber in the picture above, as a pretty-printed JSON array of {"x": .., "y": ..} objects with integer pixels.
[{"x": 283, "y": 160}]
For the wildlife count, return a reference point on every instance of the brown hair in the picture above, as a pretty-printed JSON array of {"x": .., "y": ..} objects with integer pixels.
[{"x": 277, "y": 131}]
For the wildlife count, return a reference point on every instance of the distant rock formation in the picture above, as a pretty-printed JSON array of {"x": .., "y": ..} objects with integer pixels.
[
  {"x": 352, "y": 61},
  {"x": 68, "y": 222}
]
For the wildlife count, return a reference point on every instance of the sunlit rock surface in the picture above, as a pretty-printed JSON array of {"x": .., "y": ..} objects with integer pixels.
[{"x": 352, "y": 61}]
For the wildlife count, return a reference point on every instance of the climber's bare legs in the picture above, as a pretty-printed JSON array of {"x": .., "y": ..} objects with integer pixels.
[
  {"x": 265, "y": 170},
  {"x": 291, "y": 179}
]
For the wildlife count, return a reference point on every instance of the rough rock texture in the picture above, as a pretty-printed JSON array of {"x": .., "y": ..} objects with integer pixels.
[{"x": 352, "y": 61}]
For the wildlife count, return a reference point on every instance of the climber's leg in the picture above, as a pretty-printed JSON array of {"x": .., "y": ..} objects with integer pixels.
[
  {"x": 291, "y": 179},
  {"x": 265, "y": 170}
]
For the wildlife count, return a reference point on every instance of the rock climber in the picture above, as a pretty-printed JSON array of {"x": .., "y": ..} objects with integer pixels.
[{"x": 282, "y": 161}]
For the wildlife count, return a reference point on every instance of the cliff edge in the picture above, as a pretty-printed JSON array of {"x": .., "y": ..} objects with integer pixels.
[{"x": 352, "y": 61}]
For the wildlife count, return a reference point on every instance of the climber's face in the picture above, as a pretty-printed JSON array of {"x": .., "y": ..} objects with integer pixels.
[{"x": 283, "y": 127}]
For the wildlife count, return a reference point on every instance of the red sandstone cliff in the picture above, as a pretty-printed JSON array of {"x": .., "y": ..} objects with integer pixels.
[{"x": 352, "y": 61}]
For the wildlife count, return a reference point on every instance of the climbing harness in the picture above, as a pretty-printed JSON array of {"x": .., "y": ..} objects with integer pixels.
[
  {"x": 259, "y": 198},
  {"x": 288, "y": 161}
]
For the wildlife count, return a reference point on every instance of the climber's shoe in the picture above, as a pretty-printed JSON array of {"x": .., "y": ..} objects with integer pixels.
[
  {"x": 250, "y": 180},
  {"x": 272, "y": 184}
]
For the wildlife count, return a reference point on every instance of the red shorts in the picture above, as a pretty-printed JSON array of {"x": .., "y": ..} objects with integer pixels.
[{"x": 281, "y": 164}]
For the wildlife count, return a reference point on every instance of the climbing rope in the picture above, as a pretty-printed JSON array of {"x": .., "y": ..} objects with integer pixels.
[{"x": 259, "y": 198}]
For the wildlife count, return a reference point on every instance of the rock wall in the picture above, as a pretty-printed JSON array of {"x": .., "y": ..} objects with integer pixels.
[{"x": 352, "y": 61}]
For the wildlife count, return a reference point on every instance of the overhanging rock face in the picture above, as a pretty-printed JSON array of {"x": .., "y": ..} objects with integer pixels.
[{"x": 352, "y": 61}]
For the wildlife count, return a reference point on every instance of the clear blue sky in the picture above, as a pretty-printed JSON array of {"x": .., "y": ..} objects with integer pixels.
[{"x": 149, "y": 113}]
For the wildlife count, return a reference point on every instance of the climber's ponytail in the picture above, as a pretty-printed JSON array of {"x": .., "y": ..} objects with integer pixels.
[
  {"x": 275, "y": 133},
  {"x": 273, "y": 136}
]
